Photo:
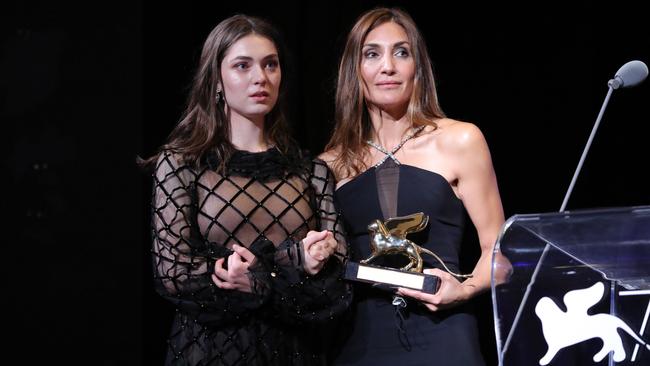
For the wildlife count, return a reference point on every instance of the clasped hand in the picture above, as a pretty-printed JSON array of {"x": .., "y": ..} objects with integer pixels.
[
  {"x": 236, "y": 276},
  {"x": 317, "y": 246}
]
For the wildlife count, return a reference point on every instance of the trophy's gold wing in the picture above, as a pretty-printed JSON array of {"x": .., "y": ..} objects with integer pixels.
[{"x": 402, "y": 225}]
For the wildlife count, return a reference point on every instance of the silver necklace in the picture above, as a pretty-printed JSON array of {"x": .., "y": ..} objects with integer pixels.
[{"x": 391, "y": 154}]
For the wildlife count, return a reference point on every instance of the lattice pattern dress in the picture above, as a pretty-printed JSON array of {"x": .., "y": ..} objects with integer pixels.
[{"x": 267, "y": 202}]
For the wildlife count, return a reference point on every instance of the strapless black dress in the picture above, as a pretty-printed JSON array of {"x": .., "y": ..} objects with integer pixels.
[{"x": 379, "y": 332}]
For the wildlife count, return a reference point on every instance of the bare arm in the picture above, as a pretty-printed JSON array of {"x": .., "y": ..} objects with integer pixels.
[{"x": 477, "y": 188}]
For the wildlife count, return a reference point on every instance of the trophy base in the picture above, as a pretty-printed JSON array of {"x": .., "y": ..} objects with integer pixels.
[{"x": 391, "y": 278}]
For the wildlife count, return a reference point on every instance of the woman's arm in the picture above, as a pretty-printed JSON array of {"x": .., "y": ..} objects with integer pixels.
[
  {"x": 183, "y": 261},
  {"x": 477, "y": 188},
  {"x": 303, "y": 297}
]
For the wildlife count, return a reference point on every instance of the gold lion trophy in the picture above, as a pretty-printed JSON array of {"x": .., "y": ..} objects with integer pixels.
[{"x": 389, "y": 237}]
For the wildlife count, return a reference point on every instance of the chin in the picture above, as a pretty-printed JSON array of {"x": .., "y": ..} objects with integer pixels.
[
  {"x": 257, "y": 114},
  {"x": 259, "y": 111},
  {"x": 390, "y": 103},
  {"x": 389, "y": 100}
]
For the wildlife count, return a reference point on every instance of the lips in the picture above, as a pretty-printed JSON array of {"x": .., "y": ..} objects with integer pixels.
[
  {"x": 259, "y": 94},
  {"x": 388, "y": 83}
]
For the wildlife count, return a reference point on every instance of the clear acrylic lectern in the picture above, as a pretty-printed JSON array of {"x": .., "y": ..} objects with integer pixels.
[{"x": 579, "y": 288}]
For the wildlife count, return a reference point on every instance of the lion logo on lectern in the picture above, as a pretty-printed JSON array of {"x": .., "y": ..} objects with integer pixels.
[{"x": 562, "y": 329}]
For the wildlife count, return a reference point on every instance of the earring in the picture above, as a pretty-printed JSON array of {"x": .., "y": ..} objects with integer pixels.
[{"x": 218, "y": 97}]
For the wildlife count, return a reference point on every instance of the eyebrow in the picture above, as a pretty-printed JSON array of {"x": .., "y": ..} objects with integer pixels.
[
  {"x": 398, "y": 44},
  {"x": 248, "y": 58}
]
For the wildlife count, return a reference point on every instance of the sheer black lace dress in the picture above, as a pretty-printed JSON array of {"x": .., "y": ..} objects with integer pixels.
[{"x": 267, "y": 202}]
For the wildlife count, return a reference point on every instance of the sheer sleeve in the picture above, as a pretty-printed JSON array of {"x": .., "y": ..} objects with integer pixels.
[
  {"x": 299, "y": 297},
  {"x": 324, "y": 184},
  {"x": 183, "y": 261}
]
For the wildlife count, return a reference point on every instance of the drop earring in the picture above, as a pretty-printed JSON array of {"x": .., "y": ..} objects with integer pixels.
[{"x": 218, "y": 96}]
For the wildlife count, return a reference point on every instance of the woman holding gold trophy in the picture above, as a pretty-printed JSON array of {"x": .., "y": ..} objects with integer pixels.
[{"x": 396, "y": 155}]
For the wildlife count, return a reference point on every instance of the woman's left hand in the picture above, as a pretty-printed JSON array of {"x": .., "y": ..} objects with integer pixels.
[
  {"x": 318, "y": 246},
  {"x": 449, "y": 294},
  {"x": 236, "y": 276}
]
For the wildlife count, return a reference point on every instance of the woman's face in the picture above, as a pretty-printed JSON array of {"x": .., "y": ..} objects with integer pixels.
[
  {"x": 387, "y": 66},
  {"x": 251, "y": 75}
]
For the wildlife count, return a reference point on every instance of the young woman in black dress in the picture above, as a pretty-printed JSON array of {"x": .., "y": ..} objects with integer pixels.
[{"x": 247, "y": 243}]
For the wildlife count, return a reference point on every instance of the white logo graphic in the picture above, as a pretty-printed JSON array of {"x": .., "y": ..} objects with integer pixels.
[{"x": 562, "y": 329}]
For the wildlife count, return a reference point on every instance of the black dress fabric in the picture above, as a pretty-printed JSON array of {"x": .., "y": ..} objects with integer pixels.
[
  {"x": 264, "y": 201},
  {"x": 381, "y": 333}
]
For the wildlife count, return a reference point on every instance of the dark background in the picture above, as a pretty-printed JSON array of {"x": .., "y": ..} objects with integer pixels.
[{"x": 84, "y": 88}]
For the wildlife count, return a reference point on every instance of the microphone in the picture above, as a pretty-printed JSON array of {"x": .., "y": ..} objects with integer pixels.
[{"x": 630, "y": 74}]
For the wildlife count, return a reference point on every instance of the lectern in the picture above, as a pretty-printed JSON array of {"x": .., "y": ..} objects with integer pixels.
[{"x": 579, "y": 291}]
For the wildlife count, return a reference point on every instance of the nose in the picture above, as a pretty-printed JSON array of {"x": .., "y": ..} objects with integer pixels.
[
  {"x": 388, "y": 64},
  {"x": 259, "y": 76}
]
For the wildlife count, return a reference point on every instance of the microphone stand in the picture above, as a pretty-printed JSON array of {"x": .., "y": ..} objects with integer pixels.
[
  {"x": 586, "y": 150},
  {"x": 562, "y": 209}
]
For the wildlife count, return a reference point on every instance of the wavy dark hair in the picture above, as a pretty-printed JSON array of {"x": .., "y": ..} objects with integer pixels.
[
  {"x": 205, "y": 126},
  {"x": 352, "y": 121}
]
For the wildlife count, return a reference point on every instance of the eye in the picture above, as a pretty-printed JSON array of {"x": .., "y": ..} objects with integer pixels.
[
  {"x": 241, "y": 66},
  {"x": 370, "y": 54},
  {"x": 402, "y": 52},
  {"x": 273, "y": 64}
]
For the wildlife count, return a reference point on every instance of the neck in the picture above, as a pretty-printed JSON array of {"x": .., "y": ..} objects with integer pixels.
[
  {"x": 247, "y": 133},
  {"x": 389, "y": 128}
]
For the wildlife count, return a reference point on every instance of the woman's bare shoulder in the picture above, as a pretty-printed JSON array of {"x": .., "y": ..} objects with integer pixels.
[
  {"x": 454, "y": 134},
  {"x": 329, "y": 156}
]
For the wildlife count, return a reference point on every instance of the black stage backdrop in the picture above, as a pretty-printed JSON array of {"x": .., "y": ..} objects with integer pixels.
[{"x": 84, "y": 88}]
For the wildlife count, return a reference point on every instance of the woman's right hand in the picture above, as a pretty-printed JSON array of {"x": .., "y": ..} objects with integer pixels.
[
  {"x": 236, "y": 277},
  {"x": 317, "y": 246}
]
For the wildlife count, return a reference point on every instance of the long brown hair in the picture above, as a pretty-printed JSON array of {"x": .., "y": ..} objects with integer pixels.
[
  {"x": 352, "y": 121},
  {"x": 205, "y": 124}
]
